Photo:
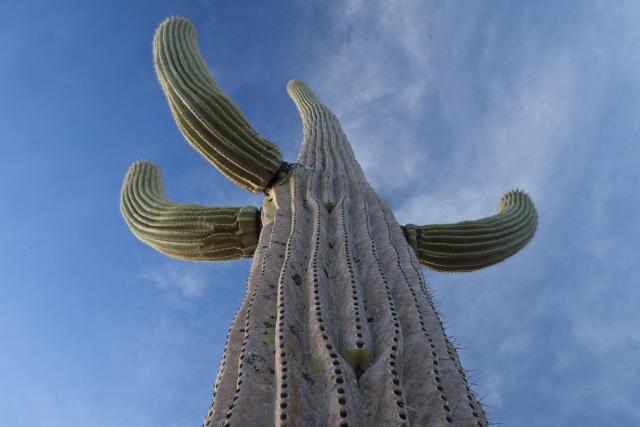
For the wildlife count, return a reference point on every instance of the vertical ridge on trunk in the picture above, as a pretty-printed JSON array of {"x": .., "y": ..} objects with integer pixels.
[
  {"x": 256, "y": 338},
  {"x": 348, "y": 290},
  {"x": 426, "y": 402},
  {"x": 471, "y": 412},
  {"x": 225, "y": 385},
  {"x": 226, "y": 390},
  {"x": 344, "y": 404},
  {"x": 328, "y": 376},
  {"x": 293, "y": 401},
  {"x": 382, "y": 382},
  {"x": 422, "y": 378}
]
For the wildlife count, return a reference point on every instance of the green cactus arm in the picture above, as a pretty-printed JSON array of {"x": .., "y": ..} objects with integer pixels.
[
  {"x": 471, "y": 245},
  {"x": 188, "y": 232},
  {"x": 208, "y": 119}
]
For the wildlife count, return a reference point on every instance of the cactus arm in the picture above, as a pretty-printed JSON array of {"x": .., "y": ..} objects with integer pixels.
[
  {"x": 472, "y": 245},
  {"x": 208, "y": 119},
  {"x": 188, "y": 232}
]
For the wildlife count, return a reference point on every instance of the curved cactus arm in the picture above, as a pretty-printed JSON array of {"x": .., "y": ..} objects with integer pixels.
[
  {"x": 188, "y": 232},
  {"x": 471, "y": 245},
  {"x": 208, "y": 119}
]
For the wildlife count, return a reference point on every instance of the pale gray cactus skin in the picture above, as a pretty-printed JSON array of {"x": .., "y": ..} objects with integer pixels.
[{"x": 337, "y": 327}]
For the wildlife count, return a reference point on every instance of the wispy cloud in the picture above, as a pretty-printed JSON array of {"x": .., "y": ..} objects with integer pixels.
[
  {"x": 178, "y": 280},
  {"x": 456, "y": 112},
  {"x": 448, "y": 106}
]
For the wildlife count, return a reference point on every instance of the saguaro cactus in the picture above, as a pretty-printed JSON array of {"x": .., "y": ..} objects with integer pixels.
[{"x": 337, "y": 327}]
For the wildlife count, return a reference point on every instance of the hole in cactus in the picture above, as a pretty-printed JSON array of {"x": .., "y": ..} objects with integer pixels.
[
  {"x": 358, "y": 371},
  {"x": 329, "y": 206}
]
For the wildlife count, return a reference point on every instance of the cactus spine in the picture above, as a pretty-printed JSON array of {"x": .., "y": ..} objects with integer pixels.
[{"x": 337, "y": 327}]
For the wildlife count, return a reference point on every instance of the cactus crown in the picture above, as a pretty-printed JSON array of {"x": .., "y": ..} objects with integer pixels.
[{"x": 217, "y": 129}]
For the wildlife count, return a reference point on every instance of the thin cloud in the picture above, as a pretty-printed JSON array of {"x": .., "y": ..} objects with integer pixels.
[
  {"x": 176, "y": 279},
  {"x": 447, "y": 107}
]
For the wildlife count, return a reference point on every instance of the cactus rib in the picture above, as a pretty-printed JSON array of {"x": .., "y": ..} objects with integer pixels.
[
  {"x": 188, "y": 232},
  {"x": 472, "y": 245},
  {"x": 207, "y": 118}
]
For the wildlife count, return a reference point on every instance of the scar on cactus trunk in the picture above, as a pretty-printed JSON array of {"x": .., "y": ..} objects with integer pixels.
[{"x": 337, "y": 327}]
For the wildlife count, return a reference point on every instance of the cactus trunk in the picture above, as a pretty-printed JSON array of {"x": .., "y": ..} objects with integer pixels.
[{"x": 337, "y": 327}]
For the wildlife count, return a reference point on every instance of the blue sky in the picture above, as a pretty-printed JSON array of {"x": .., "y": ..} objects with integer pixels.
[{"x": 447, "y": 105}]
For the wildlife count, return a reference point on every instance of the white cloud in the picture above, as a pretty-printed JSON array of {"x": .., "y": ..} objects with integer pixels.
[
  {"x": 419, "y": 118},
  {"x": 176, "y": 279},
  {"x": 447, "y": 107}
]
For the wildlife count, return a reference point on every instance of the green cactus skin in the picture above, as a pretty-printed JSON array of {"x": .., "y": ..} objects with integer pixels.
[
  {"x": 472, "y": 245},
  {"x": 337, "y": 327},
  {"x": 187, "y": 232},
  {"x": 208, "y": 119}
]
